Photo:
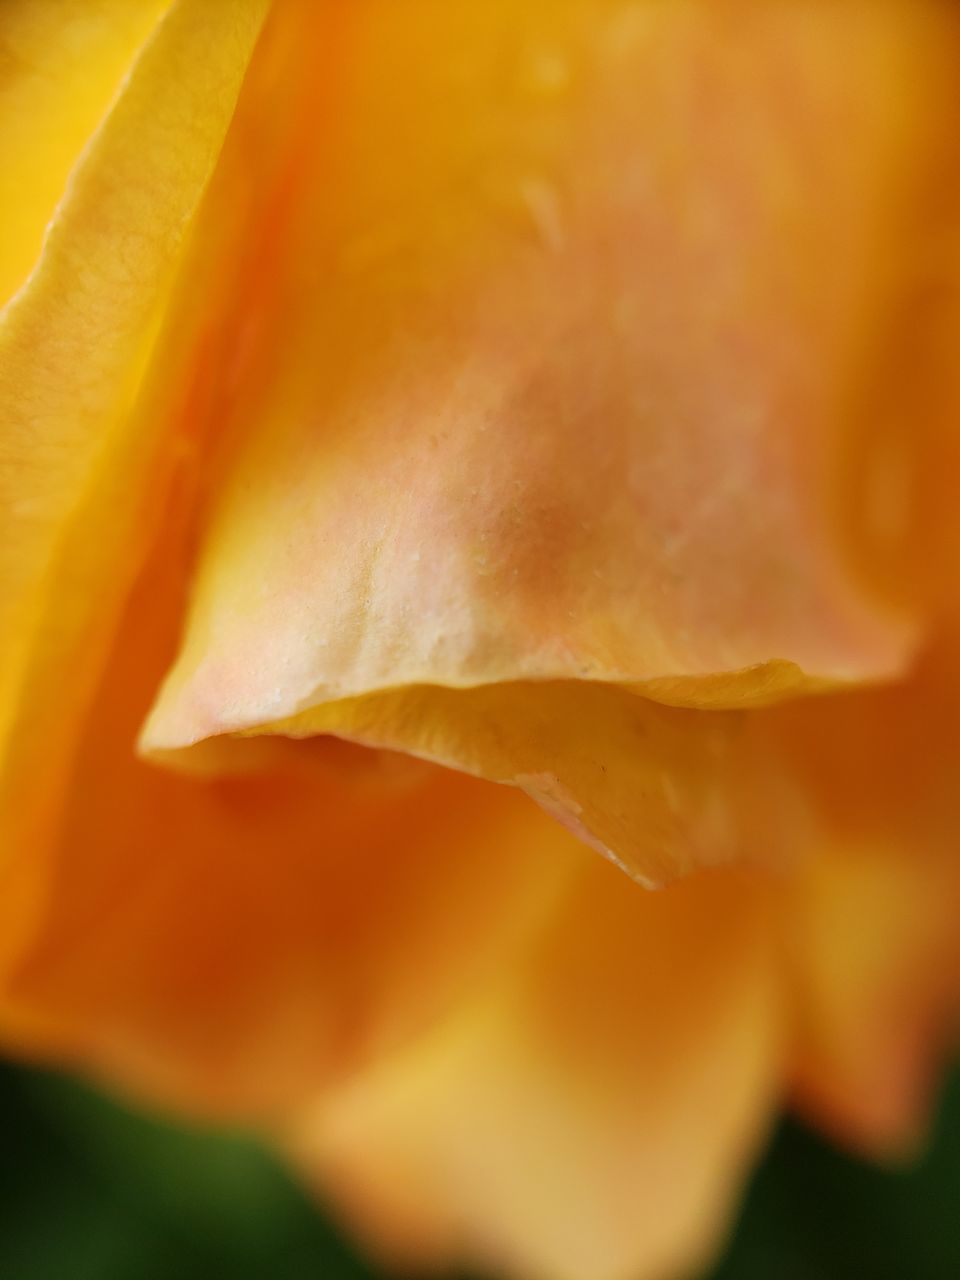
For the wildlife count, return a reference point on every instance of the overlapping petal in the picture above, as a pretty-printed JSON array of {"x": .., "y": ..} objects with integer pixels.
[
  {"x": 88, "y": 436},
  {"x": 530, "y": 386}
]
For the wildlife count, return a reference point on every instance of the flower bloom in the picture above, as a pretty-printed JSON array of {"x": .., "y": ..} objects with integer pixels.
[{"x": 399, "y": 399}]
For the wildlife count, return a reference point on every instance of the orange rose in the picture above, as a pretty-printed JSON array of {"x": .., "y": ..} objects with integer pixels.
[{"x": 403, "y": 398}]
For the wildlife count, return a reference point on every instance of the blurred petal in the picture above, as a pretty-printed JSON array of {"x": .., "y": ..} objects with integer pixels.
[
  {"x": 874, "y": 912},
  {"x": 878, "y": 991},
  {"x": 541, "y": 255},
  {"x": 591, "y": 1118}
]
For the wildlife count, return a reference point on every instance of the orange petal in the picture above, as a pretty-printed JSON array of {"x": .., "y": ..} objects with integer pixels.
[
  {"x": 564, "y": 332},
  {"x": 877, "y": 990},
  {"x": 876, "y": 957},
  {"x": 591, "y": 1117}
]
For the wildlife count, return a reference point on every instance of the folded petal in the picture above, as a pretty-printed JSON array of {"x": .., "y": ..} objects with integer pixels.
[
  {"x": 228, "y": 944},
  {"x": 658, "y": 790},
  {"x": 565, "y": 341},
  {"x": 591, "y": 1117}
]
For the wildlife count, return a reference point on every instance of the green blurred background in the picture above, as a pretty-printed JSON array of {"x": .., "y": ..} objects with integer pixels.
[{"x": 89, "y": 1191}]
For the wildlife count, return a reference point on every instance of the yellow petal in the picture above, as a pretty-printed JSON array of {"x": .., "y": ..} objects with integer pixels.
[
  {"x": 591, "y": 1116},
  {"x": 61, "y": 62},
  {"x": 564, "y": 339},
  {"x": 75, "y": 342},
  {"x": 81, "y": 476}
]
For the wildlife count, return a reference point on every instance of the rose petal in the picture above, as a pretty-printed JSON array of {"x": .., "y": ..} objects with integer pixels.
[{"x": 591, "y": 1116}]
